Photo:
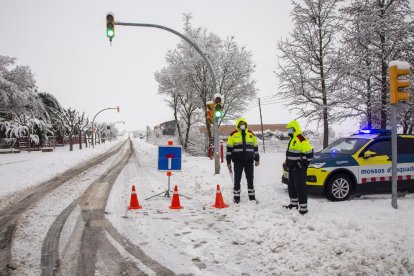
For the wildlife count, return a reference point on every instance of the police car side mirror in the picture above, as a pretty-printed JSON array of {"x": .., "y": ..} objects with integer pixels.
[{"x": 369, "y": 154}]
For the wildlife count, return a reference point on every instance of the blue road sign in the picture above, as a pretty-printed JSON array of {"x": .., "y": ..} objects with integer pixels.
[{"x": 169, "y": 158}]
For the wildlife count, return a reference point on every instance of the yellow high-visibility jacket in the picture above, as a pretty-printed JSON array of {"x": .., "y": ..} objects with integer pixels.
[
  {"x": 299, "y": 152},
  {"x": 242, "y": 145}
]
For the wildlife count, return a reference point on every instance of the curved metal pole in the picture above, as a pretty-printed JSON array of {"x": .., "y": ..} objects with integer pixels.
[
  {"x": 93, "y": 120},
  {"x": 210, "y": 69},
  {"x": 110, "y": 131},
  {"x": 117, "y": 123}
]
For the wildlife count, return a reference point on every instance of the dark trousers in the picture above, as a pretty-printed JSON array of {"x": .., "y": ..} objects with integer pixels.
[
  {"x": 297, "y": 185},
  {"x": 248, "y": 167}
]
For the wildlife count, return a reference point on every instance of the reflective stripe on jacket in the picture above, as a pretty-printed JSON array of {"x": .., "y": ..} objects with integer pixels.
[{"x": 242, "y": 145}]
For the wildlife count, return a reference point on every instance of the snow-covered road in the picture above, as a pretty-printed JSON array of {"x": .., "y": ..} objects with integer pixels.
[{"x": 364, "y": 236}]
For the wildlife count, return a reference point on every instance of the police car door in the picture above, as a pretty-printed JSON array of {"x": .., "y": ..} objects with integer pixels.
[{"x": 375, "y": 165}]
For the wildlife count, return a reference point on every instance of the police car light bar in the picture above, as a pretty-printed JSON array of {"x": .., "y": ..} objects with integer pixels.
[{"x": 375, "y": 131}]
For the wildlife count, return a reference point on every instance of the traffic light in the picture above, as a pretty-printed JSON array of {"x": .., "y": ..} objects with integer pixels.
[
  {"x": 118, "y": 109},
  {"x": 210, "y": 109},
  {"x": 110, "y": 26},
  {"x": 218, "y": 106},
  {"x": 399, "y": 82}
]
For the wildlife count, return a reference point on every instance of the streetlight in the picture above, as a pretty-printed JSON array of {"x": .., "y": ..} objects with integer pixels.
[
  {"x": 108, "y": 108},
  {"x": 110, "y": 130}
]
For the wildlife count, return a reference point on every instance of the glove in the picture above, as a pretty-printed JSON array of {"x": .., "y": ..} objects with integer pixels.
[
  {"x": 229, "y": 167},
  {"x": 256, "y": 163},
  {"x": 300, "y": 165}
]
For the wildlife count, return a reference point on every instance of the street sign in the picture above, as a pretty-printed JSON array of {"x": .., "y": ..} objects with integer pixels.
[{"x": 169, "y": 158}]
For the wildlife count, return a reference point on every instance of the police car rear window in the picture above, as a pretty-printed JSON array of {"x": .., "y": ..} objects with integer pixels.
[{"x": 345, "y": 146}]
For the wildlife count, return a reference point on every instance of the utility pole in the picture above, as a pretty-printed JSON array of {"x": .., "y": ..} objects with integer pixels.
[
  {"x": 93, "y": 142},
  {"x": 261, "y": 122}
]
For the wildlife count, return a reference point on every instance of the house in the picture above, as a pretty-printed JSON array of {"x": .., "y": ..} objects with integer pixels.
[
  {"x": 225, "y": 130},
  {"x": 167, "y": 128}
]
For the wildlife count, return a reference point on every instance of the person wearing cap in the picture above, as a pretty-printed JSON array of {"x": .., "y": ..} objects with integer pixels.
[
  {"x": 242, "y": 149},
  {"x": 298, "y": 156}
]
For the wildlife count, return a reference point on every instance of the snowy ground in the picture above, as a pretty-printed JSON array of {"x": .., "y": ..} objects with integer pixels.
[
  {"x": 358, "y": 237},
  {"x": 19, "y": 171}
]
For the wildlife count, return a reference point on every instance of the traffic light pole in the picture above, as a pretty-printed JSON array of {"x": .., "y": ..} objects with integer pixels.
[
  {"x": 399, "y": 72},
  {"x": 394, "y": 155},
  {"x": 210, "y": 69}
]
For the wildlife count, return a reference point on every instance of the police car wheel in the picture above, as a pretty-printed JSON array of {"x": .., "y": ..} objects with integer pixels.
[{"x": 339, "y": 187}]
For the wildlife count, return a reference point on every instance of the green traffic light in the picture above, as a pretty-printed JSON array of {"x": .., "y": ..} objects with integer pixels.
[
  {"x": 110, "y": 26},
  {"x": 218, "y": 114}
]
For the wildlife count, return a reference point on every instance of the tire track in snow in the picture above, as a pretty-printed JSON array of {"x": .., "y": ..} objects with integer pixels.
[{"x": 10, "y": 215}]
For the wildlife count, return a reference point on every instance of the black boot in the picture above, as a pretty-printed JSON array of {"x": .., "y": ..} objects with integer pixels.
[
  {"x": 237, "y": 200},
  {"x": 252, "y": 198},
  {"x": 290, "y": 206}
]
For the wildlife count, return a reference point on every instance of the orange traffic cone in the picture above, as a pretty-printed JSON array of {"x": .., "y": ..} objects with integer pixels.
[
  {"x": 134, "y": 204},
  {"x": 175, "y": 203},
  {"x": 219, "y": 199}
]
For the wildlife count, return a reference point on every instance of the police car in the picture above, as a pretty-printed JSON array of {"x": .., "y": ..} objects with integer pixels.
[{"x": 359, "y": 164}]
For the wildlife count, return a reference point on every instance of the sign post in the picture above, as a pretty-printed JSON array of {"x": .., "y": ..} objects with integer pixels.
[{"x": 169, "y": 160}]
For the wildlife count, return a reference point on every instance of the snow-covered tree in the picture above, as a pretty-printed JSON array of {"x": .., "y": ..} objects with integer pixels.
[
  {"x": 310, "y": 63},
  {"x": 167, "y": 87},
  {"x": 82, "y": 123},
  {"x": 55, "y": 112},
  {"x": 21, "y": 110},
  {"x": 233, "y": 69},
  {"x": 378, "y": 31},
  {"x": 23, "y": 125},
  {"x": 18, "y": 90},
  {"x": 181, "y": 99},
  {"x": 70, "y": 121}
]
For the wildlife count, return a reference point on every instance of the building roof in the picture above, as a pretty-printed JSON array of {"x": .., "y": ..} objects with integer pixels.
[{"x": 225, "y": 130}]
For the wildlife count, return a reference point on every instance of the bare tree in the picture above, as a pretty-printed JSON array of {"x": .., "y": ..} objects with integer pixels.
[
  {"x": 82, "y": 124},
  {"x": 70, "y": 120},
  {"x": 166, "y": 86},
  {"x": 310, "y": 65}
]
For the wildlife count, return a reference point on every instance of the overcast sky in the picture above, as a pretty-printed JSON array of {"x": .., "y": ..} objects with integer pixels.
[{"x": 65, "y": 44}]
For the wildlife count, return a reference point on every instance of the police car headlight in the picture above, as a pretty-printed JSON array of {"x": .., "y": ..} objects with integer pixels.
[{"x": 317, "y": 165}]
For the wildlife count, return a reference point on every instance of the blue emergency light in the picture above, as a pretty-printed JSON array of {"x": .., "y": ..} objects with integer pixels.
[{"x": 375, "y": 131}]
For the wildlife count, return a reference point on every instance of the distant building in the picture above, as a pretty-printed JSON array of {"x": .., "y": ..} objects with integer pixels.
[
  {"x": 225, "y": 130},
  {"x": 167, "y": 128}
]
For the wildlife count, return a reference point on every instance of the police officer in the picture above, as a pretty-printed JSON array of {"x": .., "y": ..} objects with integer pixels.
[
  {"x": 242, "y": 149},
  {"x": 298, "y": 156}
]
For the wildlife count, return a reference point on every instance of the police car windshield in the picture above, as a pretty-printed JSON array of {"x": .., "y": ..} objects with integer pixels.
[{"x": 345, "y": 146}]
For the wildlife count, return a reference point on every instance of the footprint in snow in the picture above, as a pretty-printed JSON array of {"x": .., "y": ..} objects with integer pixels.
[{"x": 198, "y": 263}]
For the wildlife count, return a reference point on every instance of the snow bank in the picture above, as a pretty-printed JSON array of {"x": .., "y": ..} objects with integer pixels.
[
  {"x": 27, "y": 169},
  {"x": 358, "y": 237}
]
